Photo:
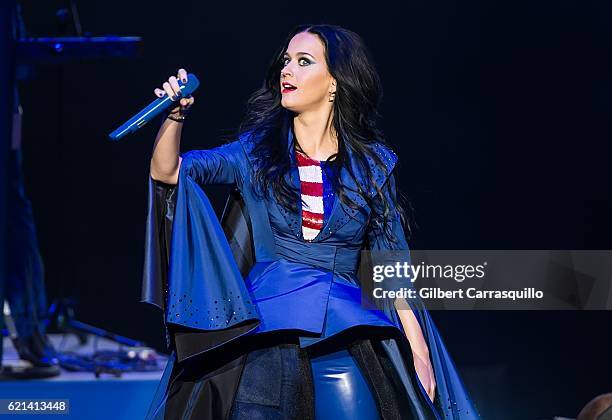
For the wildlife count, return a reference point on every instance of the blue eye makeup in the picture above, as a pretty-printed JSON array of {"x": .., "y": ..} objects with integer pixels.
[{"x": 284, "y": 61}]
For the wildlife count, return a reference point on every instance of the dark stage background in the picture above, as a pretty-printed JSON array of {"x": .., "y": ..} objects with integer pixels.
[{"x": 499, "y": 111}]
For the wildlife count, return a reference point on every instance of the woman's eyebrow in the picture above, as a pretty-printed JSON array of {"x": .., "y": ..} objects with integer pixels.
[{"x": 298, "y": 53}]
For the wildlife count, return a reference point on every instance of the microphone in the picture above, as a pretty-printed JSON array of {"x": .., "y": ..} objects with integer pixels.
[{"x": 154, "y": 109}]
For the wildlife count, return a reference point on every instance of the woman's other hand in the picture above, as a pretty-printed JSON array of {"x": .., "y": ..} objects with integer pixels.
[
  {"x": 418, "y": 344},
  {"x": 424, "y": 370}
]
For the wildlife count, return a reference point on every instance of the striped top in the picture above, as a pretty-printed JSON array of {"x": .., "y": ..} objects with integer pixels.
[{"x": 317, "y": 195}]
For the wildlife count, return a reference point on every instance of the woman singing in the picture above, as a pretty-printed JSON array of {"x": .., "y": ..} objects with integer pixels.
[{"x": 289, "y": 337}]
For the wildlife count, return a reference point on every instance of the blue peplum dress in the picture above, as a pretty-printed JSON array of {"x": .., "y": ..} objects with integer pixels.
[{"x": 195, "y": 272}]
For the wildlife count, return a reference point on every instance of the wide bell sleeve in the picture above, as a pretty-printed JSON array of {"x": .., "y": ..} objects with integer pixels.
[
  {"x": 452, "y": 400},
  {"x": 189, "y": 271}
]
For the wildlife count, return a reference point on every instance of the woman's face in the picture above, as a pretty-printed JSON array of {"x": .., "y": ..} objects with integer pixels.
[{"x": 306, "y": 69}]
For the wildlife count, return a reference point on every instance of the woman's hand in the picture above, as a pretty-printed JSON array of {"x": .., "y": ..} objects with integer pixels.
[
  {"x": 424, "y": 370},
  {"x": 172, "y": 89},
  {"x": 418, "y": 344}
]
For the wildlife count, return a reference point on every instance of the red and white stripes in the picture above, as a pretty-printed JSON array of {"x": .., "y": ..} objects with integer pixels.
[{"x": 311, "y": 180}]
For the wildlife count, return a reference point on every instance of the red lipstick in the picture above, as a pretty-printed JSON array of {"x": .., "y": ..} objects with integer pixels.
[{"x": 287, "y": 87}]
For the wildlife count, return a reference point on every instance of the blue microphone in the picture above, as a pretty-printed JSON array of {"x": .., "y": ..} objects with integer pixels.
[{"x": 154, "y": 109}]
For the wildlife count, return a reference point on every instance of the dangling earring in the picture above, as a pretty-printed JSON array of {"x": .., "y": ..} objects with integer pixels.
[{"x": 332, "y": 96}]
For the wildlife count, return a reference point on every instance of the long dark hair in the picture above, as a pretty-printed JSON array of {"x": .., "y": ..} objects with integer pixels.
[{"x": 355, "y": 115}]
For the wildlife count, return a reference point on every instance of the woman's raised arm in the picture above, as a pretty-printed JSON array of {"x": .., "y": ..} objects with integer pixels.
[{"x": 165, "y": 161}]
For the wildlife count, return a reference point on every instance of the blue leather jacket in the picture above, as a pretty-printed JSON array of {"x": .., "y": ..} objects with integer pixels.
[{"x": 311, "y": 287}]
